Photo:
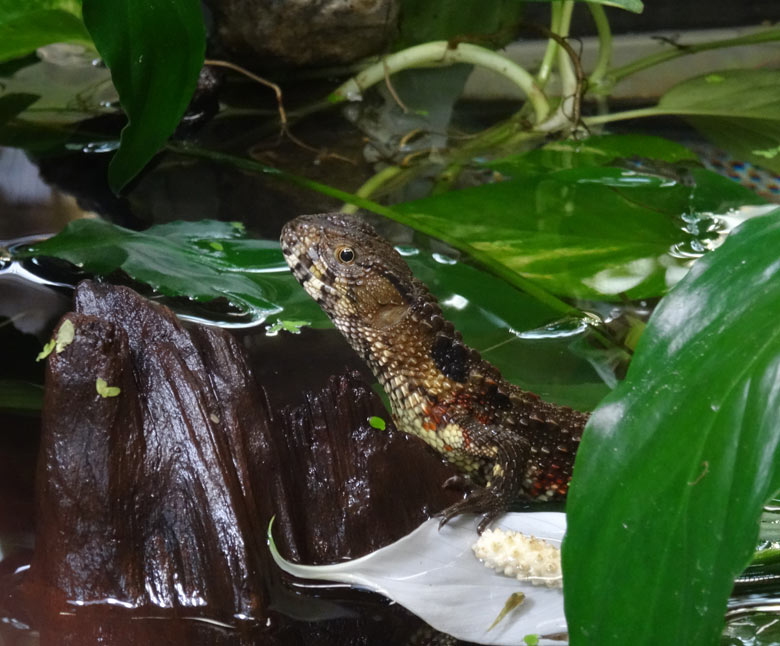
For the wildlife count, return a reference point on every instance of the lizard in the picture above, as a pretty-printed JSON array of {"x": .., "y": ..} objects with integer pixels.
[{"x": 511, "y": 444}]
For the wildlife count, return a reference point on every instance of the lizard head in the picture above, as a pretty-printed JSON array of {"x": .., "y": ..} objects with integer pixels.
[{"x": 357, "y": 278}]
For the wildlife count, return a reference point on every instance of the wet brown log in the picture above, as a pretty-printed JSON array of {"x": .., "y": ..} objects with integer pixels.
[{"x": 160, "y": 496}]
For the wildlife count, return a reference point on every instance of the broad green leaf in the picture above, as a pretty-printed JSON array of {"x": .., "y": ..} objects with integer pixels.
[
  {"x": 680, "y": 458},
  {"x": 18, "y": 395},
  {"x": 433, "y": 572},
  {"x": 580, "y": 220},
  {"x": 178, "y": 259},
  {"x": 26, "y": 25},
  {"x": 738, "y": 109},
  {"x": 155, "y": 51},
  {"x": 746, "y": 94}
]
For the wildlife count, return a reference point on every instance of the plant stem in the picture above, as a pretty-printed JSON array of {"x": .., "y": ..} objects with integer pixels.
[
  {"x": 563, "y": 116},
  {"x": 543, "y": 74},
  {"x": 371, "y": 185},
  {"x": 439, "y": 53},
  {"x": 605, "y": 45},
  {"x": 680, "y": 50}
]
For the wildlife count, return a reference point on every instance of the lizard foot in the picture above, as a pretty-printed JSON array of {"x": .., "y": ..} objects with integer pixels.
[{"x": 483, "y": 500}]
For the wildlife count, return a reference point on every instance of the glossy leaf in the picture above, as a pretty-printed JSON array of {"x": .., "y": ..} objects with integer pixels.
[
  {"x": 680, "y": 458},
  {"x": 738, "y": 109},
  {"x": 178, "y": 259},
  {"x": 26, "y": 25},
  {"x": 155, "y": 51},
  {"x": 582, "y": 220},
  {"x": 433, "y": 572}
]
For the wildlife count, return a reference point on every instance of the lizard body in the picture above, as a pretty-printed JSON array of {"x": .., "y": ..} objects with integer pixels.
[{"x": 509, "y": 441}]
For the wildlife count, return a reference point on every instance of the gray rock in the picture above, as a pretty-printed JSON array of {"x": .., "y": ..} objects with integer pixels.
[{"x": 303, "y": 32}]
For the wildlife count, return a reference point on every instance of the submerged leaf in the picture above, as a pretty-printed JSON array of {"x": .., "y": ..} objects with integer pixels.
[
  {"x": 434, "y": 574},
  {"x": 680, "y": 458}
]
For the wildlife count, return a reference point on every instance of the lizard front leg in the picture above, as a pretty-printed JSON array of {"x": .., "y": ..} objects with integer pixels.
[{"x": 503, "y": 457}]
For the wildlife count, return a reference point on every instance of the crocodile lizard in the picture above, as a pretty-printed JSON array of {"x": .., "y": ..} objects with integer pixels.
[{"x": 512, "y": 444}]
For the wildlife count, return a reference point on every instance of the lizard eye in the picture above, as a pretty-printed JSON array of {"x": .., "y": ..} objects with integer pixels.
[{"x": 345, "y": 255}]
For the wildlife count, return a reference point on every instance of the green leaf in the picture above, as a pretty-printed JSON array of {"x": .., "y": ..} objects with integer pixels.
[
  {"x": 598, "y": 150},
  {"x": 155, "y": 51},
  {"x": 377, "y": 423},
  {"x": 178, "y": 259},
  {"x": 104, "y": 390},
  {"x": 293, "y": 327},
  {"x": 680, "y": 458},
  {"x": 48, "y": 348},
  {"x": 65, "y": 335},
  {"x": 18, "y": 395},
  {"x": 581, "y": 220},
  {"x": 740, "y": 112},
  {"x": 29, "y": 24}
]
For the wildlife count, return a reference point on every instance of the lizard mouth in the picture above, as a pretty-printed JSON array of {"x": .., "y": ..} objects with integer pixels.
[{"x": 300, "y": 253}]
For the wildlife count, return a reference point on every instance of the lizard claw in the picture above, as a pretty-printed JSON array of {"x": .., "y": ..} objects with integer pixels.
[{"x": 483, "y": 500}]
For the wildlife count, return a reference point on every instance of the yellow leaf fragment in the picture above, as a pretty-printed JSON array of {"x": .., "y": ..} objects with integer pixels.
[
  {"x": 47, "y": 350},
  {"x": 104, "y": 390},
  {"x": 65, "y": 335}
]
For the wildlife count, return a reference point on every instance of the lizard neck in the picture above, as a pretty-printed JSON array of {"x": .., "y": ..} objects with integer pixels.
[{"x": 420, "y": 353}]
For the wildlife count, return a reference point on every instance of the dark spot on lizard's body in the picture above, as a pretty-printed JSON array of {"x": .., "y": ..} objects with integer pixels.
[{"x": 451, "y": 357}]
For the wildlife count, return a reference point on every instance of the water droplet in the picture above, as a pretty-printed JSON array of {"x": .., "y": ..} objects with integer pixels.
[
  {"x": 407, "y": 251},
  {"x": 443, "y": 259},
  {"x": 456, "y": 301}
]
